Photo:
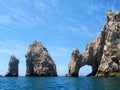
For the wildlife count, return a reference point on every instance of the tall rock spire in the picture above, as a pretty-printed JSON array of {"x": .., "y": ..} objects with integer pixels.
[{"x": 13, "y": 66}]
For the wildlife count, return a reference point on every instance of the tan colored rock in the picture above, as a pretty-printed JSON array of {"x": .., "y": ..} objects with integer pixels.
[
  {"x": 74, "y": 64},
  {"x": 103, "y": 54},
  {"x": 109, "y": 65},
  {"x": 13, "y": 67},
  {"x": 38, "y": 61}
]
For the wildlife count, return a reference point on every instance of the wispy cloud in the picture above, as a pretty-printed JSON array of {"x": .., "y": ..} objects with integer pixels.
[
  {"x": 5, "y": 19},
  {"x": 18, "y": 16},
  {"x": 9, "y": 47},
  {"x": 40, "y": 5},
  {"x": 81, "y": 30},
  {"x": 6, "y": 51},
  {"x": 59, "y": 51},
  {"x": 86, "y": 31},
  {"x": 12, "y": 47}
]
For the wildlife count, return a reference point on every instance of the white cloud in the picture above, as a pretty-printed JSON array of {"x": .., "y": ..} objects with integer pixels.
[
  {"x": 93, "y": 7},
  {"x": 59, "y": 51},
  {"x": 40, "y": 5},
  {"x": 9, "y": 47},
  {"x": 86, "y": 32},
  {"x": 7, "y": 28},
  {"x": 12, "y": 47},
  {"x": 81, "y": 30},
  {"x": 5, "y": 19},
  {"x": 19, "y": 16},
  {"x": 72, "y": 29},
  {"x": 6, "y": 51}
]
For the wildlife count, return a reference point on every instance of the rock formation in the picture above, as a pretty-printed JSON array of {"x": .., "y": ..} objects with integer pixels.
[
  {"x": 38, "y": 61},
  {"x": 103, "y": 54},
  {"x": 75, "y": 63},
  {"x": 13, "y": 66}
]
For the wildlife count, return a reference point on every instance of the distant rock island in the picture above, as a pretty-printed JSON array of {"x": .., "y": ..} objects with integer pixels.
[
  {"x": 12, "y": 67},
  {"x": 103, "y": 54},
  {"x": 38, "y": 61}
]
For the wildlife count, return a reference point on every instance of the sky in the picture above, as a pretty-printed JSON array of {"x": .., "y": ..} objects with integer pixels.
[{"x": 60, "y": 25}]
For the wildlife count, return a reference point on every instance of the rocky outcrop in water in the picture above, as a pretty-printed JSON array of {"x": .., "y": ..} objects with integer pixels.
[
  {"x": 103, "y": 54},
  {"x": 74, "y": 63},
  {"x": 110, "y": 61},
  {"x": 38, "y": 61},
  {"x": 13, "y": 66}
]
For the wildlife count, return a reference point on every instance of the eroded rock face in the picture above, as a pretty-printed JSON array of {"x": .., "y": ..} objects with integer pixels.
[
  {"x": 13, "y": 66},
  {"x": 74, "y": 64},
  {"x": 110, "y": 61},
  {"x": 39, "y": 62},
  {"x": 103, "y": 54}
]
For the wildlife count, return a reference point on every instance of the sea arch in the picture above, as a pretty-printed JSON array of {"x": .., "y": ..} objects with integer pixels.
[{"x": 89, "y": 57}]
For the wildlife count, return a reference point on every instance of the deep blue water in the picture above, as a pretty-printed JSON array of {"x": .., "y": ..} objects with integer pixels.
[{"x": 59, "y": 83}]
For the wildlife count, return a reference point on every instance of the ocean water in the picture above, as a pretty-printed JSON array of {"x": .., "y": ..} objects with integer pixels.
[{"x": 59, "y": 83}]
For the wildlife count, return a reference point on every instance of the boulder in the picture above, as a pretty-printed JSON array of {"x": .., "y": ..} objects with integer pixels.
[
  {"x": 13, "y": 67},
  {"x": 103, "y": 54},
  {"x": 38, "y": 61}
]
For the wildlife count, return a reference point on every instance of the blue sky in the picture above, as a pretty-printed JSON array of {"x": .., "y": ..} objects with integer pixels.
[{"x": 61, "y": 26}]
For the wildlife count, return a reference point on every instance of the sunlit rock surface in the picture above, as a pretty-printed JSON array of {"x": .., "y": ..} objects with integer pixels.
[
  {"x": 103, "y": 54},
  {"x": 38, "y": 61}
]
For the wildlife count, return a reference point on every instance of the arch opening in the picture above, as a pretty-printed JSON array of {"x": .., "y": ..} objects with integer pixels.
[{"x": 85, "y": 70}]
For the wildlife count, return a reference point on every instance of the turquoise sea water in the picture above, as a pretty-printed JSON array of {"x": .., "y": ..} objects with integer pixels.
[{"x": 59, "y": 83}]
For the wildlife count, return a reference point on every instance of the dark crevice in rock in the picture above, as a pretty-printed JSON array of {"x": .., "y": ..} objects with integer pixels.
[{"x": 103, "y": 53}]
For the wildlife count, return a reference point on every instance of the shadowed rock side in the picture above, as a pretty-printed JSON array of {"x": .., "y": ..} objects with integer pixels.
[
  {"x": 74, "y": 64},
  {"x": 110, "y": 61},
  {"x": 13, "y": 66},
  {"x": 103, "y": 54},
  {"x": 39, "y": 62}
]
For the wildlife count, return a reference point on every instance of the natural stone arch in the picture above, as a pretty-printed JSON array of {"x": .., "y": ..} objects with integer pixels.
[
  {"x": 91, "y": 56},
  {"x": 75, "y": 64},
  {"x": 103, "y": 54}
]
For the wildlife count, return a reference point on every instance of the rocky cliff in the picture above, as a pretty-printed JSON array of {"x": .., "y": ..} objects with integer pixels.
[
  {"x": 75, "y": 63},
  {"x": 103, "y": 54},
  {"x": 38, "y": 61},
  {"x": 13, "y": 66}
]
